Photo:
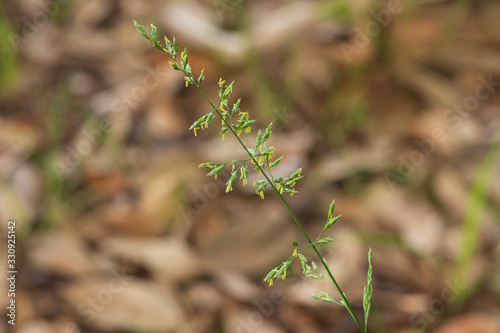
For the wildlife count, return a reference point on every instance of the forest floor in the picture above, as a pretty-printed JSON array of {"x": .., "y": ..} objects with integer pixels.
[{"x": 391, "y": 110}]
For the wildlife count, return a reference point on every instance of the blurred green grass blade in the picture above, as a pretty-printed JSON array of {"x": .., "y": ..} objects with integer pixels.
[
  {"x": 8, "y": 64},
  {"x": 367, "y": 292},
  {"x": 475, "y": 207}
]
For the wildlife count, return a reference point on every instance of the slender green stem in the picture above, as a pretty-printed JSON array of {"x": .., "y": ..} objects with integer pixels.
[{"x": 323, "y": 262}]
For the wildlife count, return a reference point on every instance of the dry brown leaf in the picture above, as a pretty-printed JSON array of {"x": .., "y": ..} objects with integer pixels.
[
  {"x": 167, "y": 258},
  {"x": 42, "y": 326},
  {"x": 433, "y": 88},
  {"x": 333, "y": 168},
  {"x": 17, "y": 141},
  {"x": 61, "y": 253},
  {"x": 86, "y": 14},
  {"x": 420, "y": 226},
  {"x": 163, "y": 120},
  {"x": 190, "y": 22},
  {"x": 236, "y": 285},
  {"x": 205, "y": 297},
  {"x": 119, "y": 303},
  {"x": 243, "y": 320}
]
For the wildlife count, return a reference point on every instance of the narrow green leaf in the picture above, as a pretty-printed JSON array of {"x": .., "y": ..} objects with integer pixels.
[
  {"x": 202, "y": 76},
  {"x": 229, "y": 184},
  {"x": 267, "y": 133},
  {"x": 296, "y": 173},
  {"x": 208, "y": 165},
  {"x": 222, "y": 85},
  {"x": 210, "y": 116},
  {"x": 368, "y": 290},
  {"x": 331, "y": 222},
  {"x": 325, "y": 240},
  {"x": 244, "y": 174},
  {"x": 216, "y": 170},
  {"x": 175, "y": 66},
  {"x": 168, "y": 44},
  {"x": 258, "y": 140},
  {"x": 261, "y": 188},
  {"x": 184, "y": 58},
  {"x": 278, "y": 180},
  {"x": 236, "y": 106},
  {"x": 247, "y": 124},
  {"x": 271, "y": 274},
  {"x": 276, "y": 162},
  {"x": 302, "y": 258},
  {"x": 141, "y": 30},
  {"x": 314, "y": 266},
  {"x": 229, "y": 89},
  {"x": 313, "y": 272},
  {"x": 175, "y": 49},
  {"x": 223, "y": 102},
  {"x": 198, "y": 122},
  {"x": 326, "y": 298},
  {"x": 330, "y": 210},
  {"x": 154, "y": 36},
  {"x": 268, "y": 151}
]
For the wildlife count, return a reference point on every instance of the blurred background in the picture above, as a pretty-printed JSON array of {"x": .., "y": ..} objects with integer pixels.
[{"x": 390, "y": 107}]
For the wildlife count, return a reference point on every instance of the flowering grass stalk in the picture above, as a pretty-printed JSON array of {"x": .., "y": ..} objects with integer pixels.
[{"x": 261, "y": 157}]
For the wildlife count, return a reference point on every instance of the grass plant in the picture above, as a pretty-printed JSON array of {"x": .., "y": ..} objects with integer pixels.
[{"x": 260, "y": 157}]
